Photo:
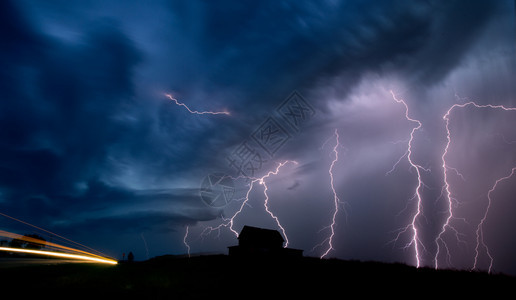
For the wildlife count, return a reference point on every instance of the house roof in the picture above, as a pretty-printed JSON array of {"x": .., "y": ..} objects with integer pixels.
[{"x": 260, "y": 234}]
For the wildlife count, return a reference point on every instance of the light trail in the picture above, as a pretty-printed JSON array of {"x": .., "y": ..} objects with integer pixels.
[
  {"x": 169, "y": 96},
  {"x": 60, "y": 254},
  {"x": 45, "y": 243},
  {"x": 54, "y": 234},
  {"x": 80, "y": 254}
]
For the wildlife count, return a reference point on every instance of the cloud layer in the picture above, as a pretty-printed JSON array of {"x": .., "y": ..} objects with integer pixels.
[{"x": 90, "y": 144}]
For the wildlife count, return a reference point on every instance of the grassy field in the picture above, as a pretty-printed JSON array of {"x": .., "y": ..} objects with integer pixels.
[{"x": 220, "y": 276}]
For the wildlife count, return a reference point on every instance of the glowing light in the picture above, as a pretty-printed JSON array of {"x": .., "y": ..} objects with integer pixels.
[
  {"x": 266, "y": 201},
  {"x": 446, "y": 188},
  {"x": 415, "y": 241},
  {"x": 52, "y": 233},
  {"x": 60, "y": 254},
  {"x": 229, "y": 222},
  {"x": 185, "y": 242},
  {"x": 195, "y": 111},
  {"x": 44, "y": 243},
  {"x": 336, "y": 199},
  {"x": 480, "y": 227},
  {"x": 83, "y": 255}
]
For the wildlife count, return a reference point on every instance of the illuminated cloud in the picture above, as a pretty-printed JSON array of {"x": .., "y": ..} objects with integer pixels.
[{"x": 89, "y": 140}]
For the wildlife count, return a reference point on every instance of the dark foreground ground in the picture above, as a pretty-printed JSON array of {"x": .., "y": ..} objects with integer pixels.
[{"x": 223, "y": 277}]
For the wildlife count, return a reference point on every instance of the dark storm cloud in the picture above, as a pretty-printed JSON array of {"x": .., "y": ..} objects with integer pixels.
[
  {"x": 293, "y": 45},
  {"x": 59, "y": 107},
  {"x": 88, "y": 139}
]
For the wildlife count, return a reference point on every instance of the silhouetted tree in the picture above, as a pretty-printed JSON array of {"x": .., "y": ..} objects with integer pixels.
[
  {"x": 33, "y": 241},
  {"x": 28, "y": 241},
  {"x": 130, "y": 257}
]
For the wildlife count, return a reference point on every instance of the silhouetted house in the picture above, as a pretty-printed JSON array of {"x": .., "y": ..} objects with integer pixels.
[{"x": 260, "y": 242}]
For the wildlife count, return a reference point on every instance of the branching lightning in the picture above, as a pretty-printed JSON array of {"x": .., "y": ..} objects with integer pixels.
[
  {"x": 415, "y": 240},
  {"x": 450, "y": 200},
  {"x": 413, "y": 228},
  {"x": 480, "y": 227},
  {"x": 336, "y": 200},
  {"x": 229, "y": 222},
  {"x": 169, "y": 96}
]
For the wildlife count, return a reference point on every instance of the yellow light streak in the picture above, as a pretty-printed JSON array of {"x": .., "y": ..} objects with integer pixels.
[
  {"x": 50, "y": 232},
  {"x": 45, "y": 243},
  {"x": 60, "y": 254}
]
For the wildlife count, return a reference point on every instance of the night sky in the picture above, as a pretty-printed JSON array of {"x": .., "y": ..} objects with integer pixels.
[{"x": 92, "y": 149}]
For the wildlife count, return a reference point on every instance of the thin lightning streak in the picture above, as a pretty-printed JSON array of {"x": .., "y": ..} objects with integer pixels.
[
  {"x": 185, "y": 242},
  {"x": 450, "y": 200},
  {"x": 229, "y": 222},
  {"x": 145, "y": 243},
  {"x": 336, "y": 199},
  {"x": 415, "y": 241},
  {"x": 447, "y": 191},
  {"x": 169, "y": 96},
  {"x": 480, "y": 227}
]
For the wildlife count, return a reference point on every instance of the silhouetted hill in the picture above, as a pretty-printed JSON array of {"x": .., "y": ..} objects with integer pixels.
[{"x": 220, "y": 276}]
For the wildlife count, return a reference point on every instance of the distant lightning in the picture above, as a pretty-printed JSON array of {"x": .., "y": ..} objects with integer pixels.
[
  {"x": 229, "y": 222},
  {"x": 145, "y": 244},
  {"x": 169, "y": 96},
  {"x": 450, "y": 200},
  {"x": 480, "y": 227},
  {"x": 415, "y": 241},
  {"x": 185, "y": 242}
]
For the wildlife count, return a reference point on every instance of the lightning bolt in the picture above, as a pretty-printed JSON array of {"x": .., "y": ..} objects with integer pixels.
[
  {"x": 450, "y": 200},
  {"x": 266, "y": 201},
  {"x": 415, "y": 240},
  {"x": 145, "y": 244},
  {"x": 447, "y": 193},
  {"x": 169, "y": 96},
  {"x": 229, "y": 222},
  {"x": 480, "y": 227},
  {"x": 185, "y": 242},
  {"x": 336, "y": 200}
]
